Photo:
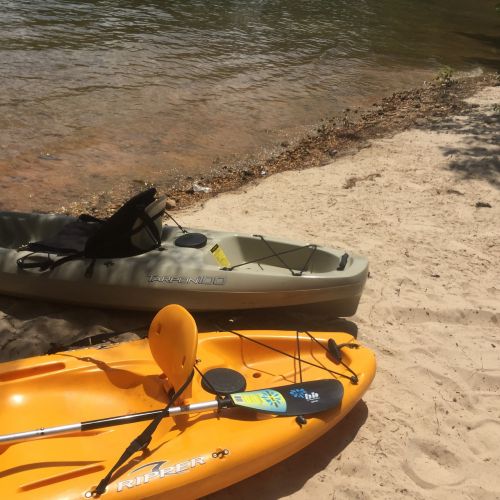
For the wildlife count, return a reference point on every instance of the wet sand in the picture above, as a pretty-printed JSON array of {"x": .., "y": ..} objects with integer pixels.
[{"x": 419, "y": 195}]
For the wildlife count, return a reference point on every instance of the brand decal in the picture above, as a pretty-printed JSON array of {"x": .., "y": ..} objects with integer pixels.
[
  {"x": 159, "y": 470},
  {"x": 312, "y": 397},
  {"x": 265, "y": 400},
  {"x": 186, "y": 280}
]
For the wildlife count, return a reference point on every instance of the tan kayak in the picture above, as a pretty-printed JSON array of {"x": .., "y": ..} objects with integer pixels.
[{"x": 199, "y": 269}]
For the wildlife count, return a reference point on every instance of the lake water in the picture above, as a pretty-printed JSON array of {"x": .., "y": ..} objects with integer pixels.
[{"x": 100, "y": 94}]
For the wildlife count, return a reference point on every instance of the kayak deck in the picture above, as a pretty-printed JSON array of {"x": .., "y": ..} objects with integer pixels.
[{"x": 190, "y": 455}]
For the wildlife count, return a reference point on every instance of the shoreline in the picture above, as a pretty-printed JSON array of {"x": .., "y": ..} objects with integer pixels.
[{"x": 334, "y": 138}]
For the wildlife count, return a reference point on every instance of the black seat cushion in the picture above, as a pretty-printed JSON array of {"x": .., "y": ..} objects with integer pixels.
[{"x": 112, "y": 238}]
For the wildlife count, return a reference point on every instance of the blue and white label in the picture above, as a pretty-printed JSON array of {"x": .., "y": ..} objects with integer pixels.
[{"x": 300, "y": 393}]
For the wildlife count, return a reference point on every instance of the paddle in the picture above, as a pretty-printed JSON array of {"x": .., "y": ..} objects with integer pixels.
[{"x": 305, "y": 398}]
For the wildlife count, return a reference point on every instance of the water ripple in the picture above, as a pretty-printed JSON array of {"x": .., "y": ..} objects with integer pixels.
[{"x": 208, "y": 80}]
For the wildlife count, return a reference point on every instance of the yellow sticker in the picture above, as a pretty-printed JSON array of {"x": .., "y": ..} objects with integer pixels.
[
  {"x": 220, "y": 256},
  {"x": 264, "y": 399}
]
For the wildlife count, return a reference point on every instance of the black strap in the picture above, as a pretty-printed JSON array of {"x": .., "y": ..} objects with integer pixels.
[
  {"x": 89, "y": 218},
  {"x": 149, "y": 222},
  {"x": 142, "y": 440},
  {"x": 45, "y": 264},
  {"x": 175, "y": 222}
]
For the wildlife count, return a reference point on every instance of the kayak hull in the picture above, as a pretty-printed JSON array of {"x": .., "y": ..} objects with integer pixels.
[
  {"x": 232, "y": 271},
  {"x": 190, "y": 455}
]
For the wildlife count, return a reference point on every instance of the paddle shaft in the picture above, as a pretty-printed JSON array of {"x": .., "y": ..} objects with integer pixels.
[
  {"x": 304, "y": 398},
  {"x": 111, "y": 421}
]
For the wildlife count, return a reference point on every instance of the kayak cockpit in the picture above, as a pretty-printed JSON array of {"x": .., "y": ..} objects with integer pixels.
[{"x": 242, "y": 251}]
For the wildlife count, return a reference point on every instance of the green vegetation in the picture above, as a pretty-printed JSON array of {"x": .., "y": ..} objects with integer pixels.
[{"x": 445, "y": 75}]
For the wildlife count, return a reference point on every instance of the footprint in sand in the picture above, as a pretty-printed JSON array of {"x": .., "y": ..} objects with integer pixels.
[
  {"x": 429, "y": 464},
  {"x": 484, "y": 437}
]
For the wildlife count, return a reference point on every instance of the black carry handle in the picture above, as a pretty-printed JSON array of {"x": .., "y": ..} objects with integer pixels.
[{"x": 343, "y": 262}]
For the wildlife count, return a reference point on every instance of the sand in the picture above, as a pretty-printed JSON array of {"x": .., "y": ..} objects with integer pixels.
[{"x": 424, "y": 207}]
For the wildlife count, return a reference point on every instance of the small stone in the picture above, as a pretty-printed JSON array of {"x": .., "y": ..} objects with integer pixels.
[
  {"x": 48, "y": 156},
  {"x": 198, "y": 188},
  {"x": 170, "y": 203}
]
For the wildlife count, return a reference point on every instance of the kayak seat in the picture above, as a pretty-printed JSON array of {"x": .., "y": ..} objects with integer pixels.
[
  {"x": 173, "y": 341},
  {"x": 135, "y": 228},
  {"x": 146, "y": 233}
]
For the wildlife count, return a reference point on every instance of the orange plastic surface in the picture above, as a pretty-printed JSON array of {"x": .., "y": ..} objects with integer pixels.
[
  {"x": 189, "y": 455},
  {"x": 173, "y": 338}
]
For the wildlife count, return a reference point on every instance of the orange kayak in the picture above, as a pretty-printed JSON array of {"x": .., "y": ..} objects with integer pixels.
[{"x": 207, "y": 442}]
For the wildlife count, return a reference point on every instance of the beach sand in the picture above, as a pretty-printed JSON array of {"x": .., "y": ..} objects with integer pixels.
[{"x": 424, "y": 206}]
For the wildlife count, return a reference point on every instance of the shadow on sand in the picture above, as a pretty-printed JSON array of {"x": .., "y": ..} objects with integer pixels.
[
  {"x": 479, "y": 157},
  {"x": 289, "y": 476},
  {"x": 31, "y": 328}
]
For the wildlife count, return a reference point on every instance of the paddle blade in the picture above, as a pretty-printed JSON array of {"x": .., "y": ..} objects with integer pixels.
[{"x": 292, "y": 400}]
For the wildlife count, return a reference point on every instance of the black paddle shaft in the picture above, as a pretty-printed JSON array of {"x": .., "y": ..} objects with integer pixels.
[{"x": 304, "y": 398}]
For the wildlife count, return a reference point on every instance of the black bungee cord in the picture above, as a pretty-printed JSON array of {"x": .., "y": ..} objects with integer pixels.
[{"x": 353, "y": 378}]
